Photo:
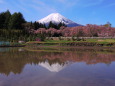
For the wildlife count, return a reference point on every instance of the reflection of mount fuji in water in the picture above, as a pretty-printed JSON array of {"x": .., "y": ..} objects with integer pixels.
[
  {"x": 56, "y": 67},
  {"x": 15, "y": 59}
]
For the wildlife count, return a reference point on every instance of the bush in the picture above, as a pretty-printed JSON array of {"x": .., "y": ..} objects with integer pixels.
[{"x": 42, "y": 37}]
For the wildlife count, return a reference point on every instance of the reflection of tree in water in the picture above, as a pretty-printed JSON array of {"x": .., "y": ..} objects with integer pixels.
[{"x": 14, "y": 61}]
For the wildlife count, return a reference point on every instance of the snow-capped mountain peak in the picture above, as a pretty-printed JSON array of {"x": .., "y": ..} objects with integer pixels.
[{"x": 57, "y": 18}]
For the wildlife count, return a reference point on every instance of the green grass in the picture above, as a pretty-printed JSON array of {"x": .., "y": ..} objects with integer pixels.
[
  {"x": 65, "y": 41},
  {"x": 87, "y": 42},
  {"x": 100, "y": 40}
]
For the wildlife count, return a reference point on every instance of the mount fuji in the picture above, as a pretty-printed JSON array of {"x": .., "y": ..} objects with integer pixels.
[{"x": 56, "y": 18}]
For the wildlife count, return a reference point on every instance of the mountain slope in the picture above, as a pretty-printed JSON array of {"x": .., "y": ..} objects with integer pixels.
[{"x": 56, "y": 18}]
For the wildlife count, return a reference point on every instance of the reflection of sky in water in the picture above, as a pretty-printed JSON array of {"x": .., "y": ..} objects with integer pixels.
[
  {"x": 77, "y": 74},
  {"x": 19, "y": 67}
]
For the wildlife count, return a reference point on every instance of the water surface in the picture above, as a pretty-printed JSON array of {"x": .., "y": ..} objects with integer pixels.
[
  {"x": 57, "y": 67},
  {"x": 4, "y": 43}
]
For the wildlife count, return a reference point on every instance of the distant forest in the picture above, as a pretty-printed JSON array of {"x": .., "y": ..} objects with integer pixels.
[{"x": 13, "y": 27}]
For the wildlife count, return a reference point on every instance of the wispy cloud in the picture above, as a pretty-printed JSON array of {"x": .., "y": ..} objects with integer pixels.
[
  {"x": 81, "y": 3},
  {"x": 41, "y": 6},
  {"x": 88, "y": 3},
  {"x": 20, "y": 6},
  {"x": 28, "y": 5},
  {"x": 49, "y": 6}
]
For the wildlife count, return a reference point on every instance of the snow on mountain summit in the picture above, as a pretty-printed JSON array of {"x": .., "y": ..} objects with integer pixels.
[{"x": 57, "y": 18}]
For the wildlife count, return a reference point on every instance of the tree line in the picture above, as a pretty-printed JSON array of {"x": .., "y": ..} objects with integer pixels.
[
  {"x": 11, "y": 21},
  {"x": 80, "y": 31},
  {"x": 17, "y": 21},
  {"x": 15, "y": 27}
]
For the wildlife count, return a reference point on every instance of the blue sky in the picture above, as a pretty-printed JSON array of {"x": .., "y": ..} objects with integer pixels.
[{"x": 81, "y": 11}]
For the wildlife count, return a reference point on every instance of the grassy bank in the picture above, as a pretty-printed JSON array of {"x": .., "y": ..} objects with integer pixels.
[
  {"x": 52, "y": 43},
  {"x": 87, "y": 42}
]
